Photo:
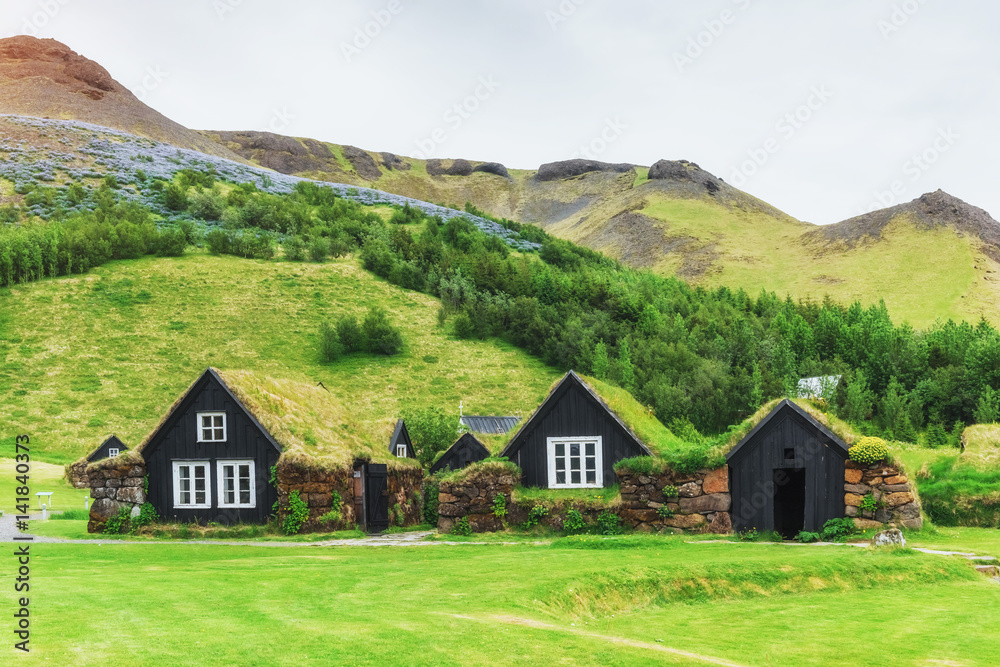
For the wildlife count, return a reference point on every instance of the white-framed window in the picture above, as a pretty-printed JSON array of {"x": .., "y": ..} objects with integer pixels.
[
  {"x": 191, "y": 485},
  {"x": 401, "y": 451},
  {"x": 575, "y": 463},
  {"x": 211, "y": 427},
  {"x": 236, "y": 484},
  {"x": 112, "y": 452}
]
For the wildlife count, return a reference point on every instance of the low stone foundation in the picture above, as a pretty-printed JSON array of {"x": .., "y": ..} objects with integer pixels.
[
  {"x": 112, "y": 487},
  {"x": 892, "y": 491},
  {"x": 701, "y": 503},
  {"x": 76, "y": 474},
  {"x": 316, "y": 488}
]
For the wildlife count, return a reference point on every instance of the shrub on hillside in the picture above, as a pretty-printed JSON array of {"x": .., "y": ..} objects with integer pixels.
[
  {"x": 319, "y": 248},
  {"x": 206, "y": 205},
  {"x": 172, "y": 242},
  {"x": 350, "y": 334},
  {"x": 869, "y": 450},
  {"x": 381, "y": 337},
  {"x": 330, "y": 347},
  {"x": 431, "y": 429},
  {"x": 295, "y": 249}
]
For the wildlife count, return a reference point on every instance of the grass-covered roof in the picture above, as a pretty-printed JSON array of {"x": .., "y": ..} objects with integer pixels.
[{"x": 308, "y": 422}]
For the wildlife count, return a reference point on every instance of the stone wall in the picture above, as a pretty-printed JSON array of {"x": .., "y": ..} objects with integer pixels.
[
  {"x": 891, "y": 490},
  {"x": 113, "y": 486},
  {"x": 316, "y": 487},
  {"x": 76, "y": 474},
  {"x": 701, "y": 505}
]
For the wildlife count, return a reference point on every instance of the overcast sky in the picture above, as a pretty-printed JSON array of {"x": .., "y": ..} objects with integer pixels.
[{"x": 822, "y": 109}]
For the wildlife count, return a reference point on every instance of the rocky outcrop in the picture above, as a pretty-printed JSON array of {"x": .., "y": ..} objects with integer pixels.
[
  {"x": 363, "y": 163},
  {"x": 391, "y": 161},
  {"x": 494, "y": 168},
  {"x": 890, "y": 491},
  {"x": 555, "y": 171},
  {"x": 458, "y": 167},
  {"x": 684, "y": 171}
]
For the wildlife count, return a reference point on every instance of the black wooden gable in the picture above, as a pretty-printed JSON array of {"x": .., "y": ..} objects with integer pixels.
[
  {"x": 467, "y": 449},
  {"x": 401, "y": 436},
  {"x": 785, "y": 410},
  {"x": 103, "y": 450},
  {"x": 572, "y": 409}
]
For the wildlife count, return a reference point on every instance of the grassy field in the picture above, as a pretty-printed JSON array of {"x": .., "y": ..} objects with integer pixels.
[
  {"x": 44, "y": 477},
  {"x": 109, "y": 351},
  {"x": 573, "y": 602}
]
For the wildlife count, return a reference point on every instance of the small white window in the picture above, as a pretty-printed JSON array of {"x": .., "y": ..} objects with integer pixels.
[
  {"x": 401, "y": 451},
  {"x": 112, "y": 452},
  {"x": 191, "y": 484},
  {"x": 211, "y": 427},
  {"x": 236, "y": 484},
  {"x": 575, "y": 463}
]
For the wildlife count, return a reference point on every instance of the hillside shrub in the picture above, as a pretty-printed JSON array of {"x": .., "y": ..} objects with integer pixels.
[
  {"x": 381, "y": 337},
  {"x": 295, "y": 249},
  {"x": 432, "y": 430},
  {"x": 330, "y": 347},
  {"x": 172, "y": 242},
  {"x": 869, "y": 451},
  {"x": 319, "y": 248},
  {"x": 350, "y": 334},
  {"x": 206, "y": 205}
]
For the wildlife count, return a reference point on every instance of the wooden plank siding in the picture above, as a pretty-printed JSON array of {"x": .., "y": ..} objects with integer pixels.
[
  {"x": 752, "y": 466},
  {"x": 177, "y": 439},
  {"x": 571, "y": 411},
  {"x": 466, "y": 450}
]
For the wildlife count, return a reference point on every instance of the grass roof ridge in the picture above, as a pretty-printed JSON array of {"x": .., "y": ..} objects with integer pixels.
[{"x": 834, "y": 424}]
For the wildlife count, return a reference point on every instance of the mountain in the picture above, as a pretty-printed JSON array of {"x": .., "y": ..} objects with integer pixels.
[
  {"x": 936, "y": 257},
  {"x": 46, "y": 79}
]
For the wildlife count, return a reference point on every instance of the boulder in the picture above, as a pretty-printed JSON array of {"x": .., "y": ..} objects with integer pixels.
[
  {"x": 722, "y": 524},
  {"x": 689, "y": 490},
  {"x": 888, "y": 538},
  {"x": 686, "y": 521},
  {"x": 852, "y": 499},
  {"x": 494, "y": 168},
  {"x": 105, "y": 508},
  {"x": 897, "y": 499},
  {"x": 716, "y": 502},
  {"x": 716, "y": 481},
  {"x": 131, "y": 494},
  {"x": 852, "y": 475},
  {"x": 674, "y": 170},
  {"x": 555, "y": 171}
]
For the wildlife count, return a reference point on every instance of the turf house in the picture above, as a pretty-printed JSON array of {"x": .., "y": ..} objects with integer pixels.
[
  {"x": 235, "y": 443},
  {"x": 574, "y": 439},
  {"x": 108, "y": 449},
  {"x": 467, "y": 449}
]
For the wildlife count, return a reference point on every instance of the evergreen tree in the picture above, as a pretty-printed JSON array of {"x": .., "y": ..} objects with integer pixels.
[{"x": 600, "y": 366}]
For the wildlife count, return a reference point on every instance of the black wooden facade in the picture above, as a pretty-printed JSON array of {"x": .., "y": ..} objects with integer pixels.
[
  {"x": 104, "y": 451},
  {"x": 401, "y": 439},
  {"x": 176, "y": 440},
  {"x": 787, "y": 474},
  {"x": 572, "y": 410},
  {"x": 466, "y": 450}
]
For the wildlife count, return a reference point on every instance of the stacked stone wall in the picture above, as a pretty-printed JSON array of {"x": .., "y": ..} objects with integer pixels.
[
  {"x": 112, "y": 487},
  {"x": 891, "y": 491}
]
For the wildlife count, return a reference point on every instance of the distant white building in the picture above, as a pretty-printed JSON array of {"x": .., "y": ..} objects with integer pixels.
[{"x": 821, "y": 386}]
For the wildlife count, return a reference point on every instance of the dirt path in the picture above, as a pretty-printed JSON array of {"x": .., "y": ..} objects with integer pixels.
[{"x": 531, "y": 623}]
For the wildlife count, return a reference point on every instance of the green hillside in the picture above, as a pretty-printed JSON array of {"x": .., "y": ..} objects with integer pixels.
[{"x": 109, "y": 351}]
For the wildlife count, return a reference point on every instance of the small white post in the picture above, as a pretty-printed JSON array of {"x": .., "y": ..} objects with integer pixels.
[
  {"x": 45, "y": 512},
  {"x": 86, "y": 503}
]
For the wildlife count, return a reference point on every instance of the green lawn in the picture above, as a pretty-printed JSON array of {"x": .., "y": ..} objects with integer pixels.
[
  {"x": 183, "y": 604},
  {"x": 109, "y": 351}
]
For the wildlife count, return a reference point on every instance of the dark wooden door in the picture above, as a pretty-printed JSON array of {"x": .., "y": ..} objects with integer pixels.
[{"x": 376, "y": 497}]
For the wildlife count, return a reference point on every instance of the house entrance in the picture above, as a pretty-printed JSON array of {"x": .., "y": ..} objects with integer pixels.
[
  {"x": 376, "y": 497},
  {"x": 789, "y": 501}
]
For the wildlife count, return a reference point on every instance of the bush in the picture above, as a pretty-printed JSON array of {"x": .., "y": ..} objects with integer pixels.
[
  {"x": 295, "y": 249},
  {"x": 432, "y": 430},
  {"x": 869, "y": 451},
  {"x": 464, "y": 326},
  {"x": 175, "y": 197},
  {"x": 431, "y": 502},
  {"x": 936, "y": 435},
  {"x": 609, "y": 523},
  {"x": 806, "y": 537},
  {"x": 297, "y": 513},
  {"x": 330, "y": 347},
  {"x": 535, "y": 514},
  {"x": 319, "y": 248},
  {"x": 574, "y": 521},
  {"x": 349, "y": 332},
  {"x": 380, "y": 336},
  {"x": 207, "y": 205},
  {"x": 836, "y": 529},
  {"x": 499, "y": 506},
  {"x": 172, "y": 242},
  {"x": 462, "y": 527}
]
